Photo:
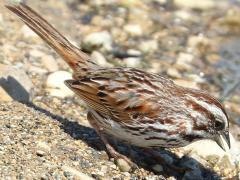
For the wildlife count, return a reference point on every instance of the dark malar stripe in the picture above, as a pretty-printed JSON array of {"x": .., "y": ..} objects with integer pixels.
[{"x": 155, "y": 138}]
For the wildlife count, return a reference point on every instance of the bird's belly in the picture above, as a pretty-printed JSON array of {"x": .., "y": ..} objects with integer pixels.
[{"x": 139, "y": 137}]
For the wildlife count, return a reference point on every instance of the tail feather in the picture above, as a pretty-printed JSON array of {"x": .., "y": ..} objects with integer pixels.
[{"x": 71, "y": 54}]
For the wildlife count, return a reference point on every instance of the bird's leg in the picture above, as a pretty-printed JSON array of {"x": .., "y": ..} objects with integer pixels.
[{"x": 110, "y": 149}]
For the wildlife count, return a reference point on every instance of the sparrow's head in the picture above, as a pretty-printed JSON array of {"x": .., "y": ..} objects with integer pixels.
[{"x": 212, "y": 117}]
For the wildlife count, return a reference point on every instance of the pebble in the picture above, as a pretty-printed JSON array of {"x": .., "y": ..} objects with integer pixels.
[
  {"x": 162, "y": 1},
  {"x": 104, "y": 169},
  {"x": 36, "y": 53},
  {"x": 171, "y": 178},
  {"x": 98, "y": 58},
  {"x": 137, "y": 16},
  {"x": 183, "y": 61},
  {"x": 55, "y": 84},
  {"x": 203, "y": 4},
  {"x": 174, "y": 73},
  {"x": 98, "y": 39},
  {"x": 148, "y": 46},
  {"x": 40, "y": 153},
  {"x": 129, "y": 3},
  {"x": 43, "y": 146},
  {"x": 15, "y": 83},
  {"x": 134, "y": 52},
  {"x": 133, "y": 29},
  {"x": 69, "y": 171},
  {"x": 195, "y": 41},
  {"x": 195, "y": 78},
  {"x": 132, "y": 62},
  {"x": 123, "y": 165},
  {"x": 208, "y": 149},
  {"x": 226, "y": 162},
  {"x": 185, "y": 15},
  {"x": 36, "y": 70},
  {"x": 49, "y": 63},
  {"x": 158, "y": 168}
]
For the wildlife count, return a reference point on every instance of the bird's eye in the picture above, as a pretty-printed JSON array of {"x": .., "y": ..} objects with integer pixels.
[{"x": 219, "y": 125}]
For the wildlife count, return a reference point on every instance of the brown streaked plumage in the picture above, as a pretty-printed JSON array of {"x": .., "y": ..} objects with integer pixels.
[{"x": 138, "y": 107}]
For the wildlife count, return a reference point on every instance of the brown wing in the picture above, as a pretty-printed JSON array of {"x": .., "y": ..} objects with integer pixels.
[{"x": 117, "y": 93}]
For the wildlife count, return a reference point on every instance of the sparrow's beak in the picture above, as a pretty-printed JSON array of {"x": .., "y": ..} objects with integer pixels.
[{"x": 222, "y": 139}]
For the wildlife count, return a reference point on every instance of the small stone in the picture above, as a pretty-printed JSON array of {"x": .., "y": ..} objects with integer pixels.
[
  {"x": 162, "y": 1},
  {"x": 171, "y": 178},
  {"x": 132, "y": 62},
  {"x": 203, "y": 4},
  {"x": 134, "y": 52},
  {"x": 226, "y": 162},
  {"x": 68, "y": 175},
  {"x": 123, "y": 165},
  {"x": 44, "y": 177},
  {"x": 126, "y": 174},
  {"x": 148, "y": 46},
  {"x": 185, "y": 15},
  {"x": 206, "y": 149},
  {"x": 50, "y": 63},
  {"x": 55, "y": 84},
  {"x": 129, "y": 3},
  {"x": 133, "y": 29},
  {"x": 43, "y": 146},
  {"x": 36, "y": 53},
  {"x": 100, "y": 173},
  {"x": 174, "y": 73},
  {"x": 40, "y": 153},
  {"x": 113, "y": 166},
  {"x": 97, "y": 39},
  {"x": 104, "y": 169},
  {"x": 196, "y": 41},
  {"x": 157, "y": 168},
  {"x": 195, "y": 78},
  {"x": 98, "y": 58},
  {"x": 69, "y": 171},
  {"x": 1, "y": 148},
  {"x": 36, "y": 70},
  {"x": 183, "y": 61},
  {"x": 15, "y": 83}
]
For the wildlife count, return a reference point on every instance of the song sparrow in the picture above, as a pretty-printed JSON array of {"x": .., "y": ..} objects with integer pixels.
[{"x": 140, "y": 108}]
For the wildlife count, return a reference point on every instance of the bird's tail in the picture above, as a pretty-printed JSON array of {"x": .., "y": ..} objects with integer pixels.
[{"x": 71, "y": 54}]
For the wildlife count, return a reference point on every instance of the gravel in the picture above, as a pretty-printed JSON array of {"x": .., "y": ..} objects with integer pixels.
[{"x": 49, "y": 137}]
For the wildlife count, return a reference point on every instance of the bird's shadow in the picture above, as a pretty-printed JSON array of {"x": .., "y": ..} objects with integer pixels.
[{"x": 88, "y": 135}]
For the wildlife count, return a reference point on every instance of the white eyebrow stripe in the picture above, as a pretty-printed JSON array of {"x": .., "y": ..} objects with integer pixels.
[{"x": 215, "y": 110}]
